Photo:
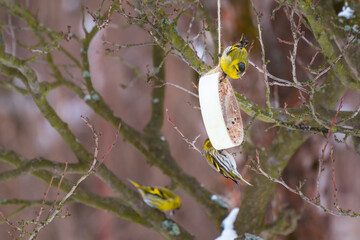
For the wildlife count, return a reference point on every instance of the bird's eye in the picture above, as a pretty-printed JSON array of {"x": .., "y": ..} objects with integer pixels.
[{"x": 241, "y": 67}]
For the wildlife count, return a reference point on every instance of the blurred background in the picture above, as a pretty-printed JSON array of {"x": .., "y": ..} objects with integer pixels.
[{"x": 121, "y": 79}]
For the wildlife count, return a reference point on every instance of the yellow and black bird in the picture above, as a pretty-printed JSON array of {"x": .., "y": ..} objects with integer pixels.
[
  {"x": 158, "y": 197},
  {"x": 222, "y": 162},
  {"x": 234, "y": 60}
]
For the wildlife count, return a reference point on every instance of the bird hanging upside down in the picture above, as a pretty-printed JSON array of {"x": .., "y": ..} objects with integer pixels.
[
  {"x": 222, "y": 162},
  {"x": 234, "y": 59}
]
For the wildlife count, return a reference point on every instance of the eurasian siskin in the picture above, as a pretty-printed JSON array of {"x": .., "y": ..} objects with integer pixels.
[
  {"x": 158, "y": 197},
  {"x": 222, "y": 162},
  {"x": 234, "y": 59}
]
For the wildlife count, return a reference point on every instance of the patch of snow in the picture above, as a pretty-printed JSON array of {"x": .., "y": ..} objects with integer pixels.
[
  {"x": 89, "y": 24},
  {"x": 228, "y": 232},
  {"x": 200, "y": 51},
  {"x": 346, "y": 12},
  {"x": 220, "y": 201}
]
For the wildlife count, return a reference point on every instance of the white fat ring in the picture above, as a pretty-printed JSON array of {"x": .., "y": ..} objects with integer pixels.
[{"x": 223, "y": 131}]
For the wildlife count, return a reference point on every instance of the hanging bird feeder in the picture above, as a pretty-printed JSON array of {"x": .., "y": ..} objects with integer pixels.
[{"x": 220, "y": 111}]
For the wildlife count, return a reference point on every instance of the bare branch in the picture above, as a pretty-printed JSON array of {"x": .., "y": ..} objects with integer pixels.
[
  {"x": 59, "y": 206},
  {"x": 321, "y": 159},
  {"x": 191, "y": 144},
  {"x": 264, "y": 62},
  {"x": 336, "y": 202},
  {"x": 297, "y": 191}
]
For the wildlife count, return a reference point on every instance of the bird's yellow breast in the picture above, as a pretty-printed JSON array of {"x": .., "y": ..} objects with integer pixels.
[{"x": 230, "y": 60}]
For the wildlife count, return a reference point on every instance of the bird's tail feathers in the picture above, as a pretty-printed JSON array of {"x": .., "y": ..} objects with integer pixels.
[
  {"x": 238, "y": 176},
  {"x": 243, "y": 42},
  {"x": 135, "y": 183}
]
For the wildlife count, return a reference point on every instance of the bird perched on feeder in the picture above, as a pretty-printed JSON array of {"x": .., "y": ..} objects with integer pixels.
[
  {"x": 234, "y": 60},
  {"x": 222, "y": 162}
]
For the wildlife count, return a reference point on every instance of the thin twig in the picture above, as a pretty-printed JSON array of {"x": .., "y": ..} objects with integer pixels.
[
  {"x": 313, "y": 59},
  {"x": 327, "y": 69},
  {"x": 58, "y": 209},
  {"x": 13, "y": 37},
  {"x": 179, "y": 87},
  {"x": 356, "y": 112},
  {"x": 43, "y": 201},
  {"x": 297, "y": 191},
  {"x": 58, "y": 187},
  {"x": 321, "y": 159},
  {"x": 286, "y": 111},
  {"x": 111, "y": 146},
  {"x": 266, "y": 81},
  {"x": 294, "y": 29},
  {"x": 192, "y": 22},
  {"x": 309, "y": 42},
  {"x": 280, "y": 81},
  {"x": 331, "y": 64},
  {"x": 312, "y": 108},
  {"x": 121, "y": 46},
  {"x": 219, "y": 25},
  {"x": 336, "y": 203},
  {"x": 191, "y": 144},
  {"x": 10, "y": 223}
]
